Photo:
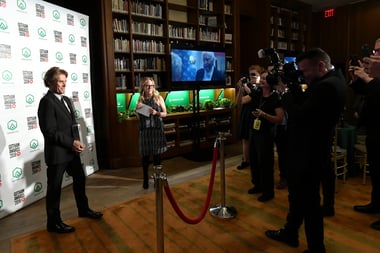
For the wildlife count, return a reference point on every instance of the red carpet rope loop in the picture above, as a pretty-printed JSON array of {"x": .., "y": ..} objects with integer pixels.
[{"x": 208, "y": 198}]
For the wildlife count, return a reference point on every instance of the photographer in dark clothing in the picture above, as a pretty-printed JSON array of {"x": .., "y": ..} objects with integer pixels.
[
  {"x": 366, "y": 81},
  {"x": 267, "y": 112},
  {"x": 313, "y": 115}
]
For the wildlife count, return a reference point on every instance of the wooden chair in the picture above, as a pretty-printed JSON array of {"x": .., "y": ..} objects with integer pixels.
[
  {"x": 339, "y": 159},
  {"x": 361, "y": 158}
]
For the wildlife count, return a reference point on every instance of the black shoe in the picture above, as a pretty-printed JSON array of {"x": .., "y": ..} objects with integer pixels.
[
  {"x": 265, "y": 197},
  {"x": 254, "y": 190},
  {"x": 146, "y": 184},
  {"x": 90, "y": 214},
  {"x": 312, "y": 251},
  {"x": 370, "y": 208},
  {"x": 243, "y": 165},
  {"x": 60, "y": 228},
  {"x": 283, "y": 236},
  {"x": 328, "y": 211},
  {"x": 376, "y": 225}
]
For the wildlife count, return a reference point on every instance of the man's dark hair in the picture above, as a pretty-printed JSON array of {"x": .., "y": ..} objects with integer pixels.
[
  {"x": 52, "y": 74},
  {"x": 315, "y": 55}
]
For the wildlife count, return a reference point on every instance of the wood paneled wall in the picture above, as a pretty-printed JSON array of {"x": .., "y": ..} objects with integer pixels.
[{"x": 343, "y": 34}]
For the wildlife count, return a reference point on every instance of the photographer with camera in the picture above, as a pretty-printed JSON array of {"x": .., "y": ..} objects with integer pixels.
[
  {"x": 245, "y": 86},
  {"x": 313, "y": 115},
  {"x": 366, "y": 81},
  {"x": 267, "y": 112}
]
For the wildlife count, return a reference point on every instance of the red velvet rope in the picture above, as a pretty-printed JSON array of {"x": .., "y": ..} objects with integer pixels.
[{"x": 208, "y": 198}]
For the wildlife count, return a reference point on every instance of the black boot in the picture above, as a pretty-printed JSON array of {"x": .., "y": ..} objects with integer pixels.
[{"x": 145, "y": 163}]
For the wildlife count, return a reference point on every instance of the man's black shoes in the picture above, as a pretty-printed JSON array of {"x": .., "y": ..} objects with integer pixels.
[
  {"x": 376, "y": 225},
  {"x": 60, "y": 228},
  {"x": 283, "y": 236},
  {"x": 90, "y": 214},
  {"x": 243, "y": 165},
  {"x": 254, "y": 190},
  {"x": 370, "y": 208}
]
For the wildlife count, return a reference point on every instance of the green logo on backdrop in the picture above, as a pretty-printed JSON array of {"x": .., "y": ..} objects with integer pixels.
[
  {"x": 33, "y": 144},
  {"x": 86, "y": 94},
  {"x": 84, "y": 59},
  {"x": 74, "y": 76},
  {"x": 12, "y": 125},
  {"x": 26, "y": 52},
  {"x": 29, "y": 99},
  {"x": 59, "y": 56},
  {"x": 38, "y": 187},
  {"x": 56, "y": 14},
  {"x": 77, "y": 114},
  {"x": 17, "y": 172},
  {"x": 21, "y": 4},
  {"x": 82, "y": 22},
  {"x": 41, "y": 32},
  {"x": 3, "y": 24},
  {"x": 7, "y": 75},
  {"x": 71, "y": 38}
]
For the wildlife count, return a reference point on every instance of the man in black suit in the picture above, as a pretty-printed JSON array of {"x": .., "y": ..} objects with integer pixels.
[
  {"x": 313, "y": 115},
  {"x": 209, "y": 72},
  {"x": 62, "y": 148}
]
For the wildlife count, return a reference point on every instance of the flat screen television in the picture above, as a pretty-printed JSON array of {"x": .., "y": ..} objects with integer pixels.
[{"x": 197, "y": 67}]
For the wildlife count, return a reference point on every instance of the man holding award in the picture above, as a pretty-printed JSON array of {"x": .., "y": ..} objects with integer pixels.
[{"x": 62, "y": 149}]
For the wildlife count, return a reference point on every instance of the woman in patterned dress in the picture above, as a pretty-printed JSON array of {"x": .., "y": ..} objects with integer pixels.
[{"x": 152, "y": 139}]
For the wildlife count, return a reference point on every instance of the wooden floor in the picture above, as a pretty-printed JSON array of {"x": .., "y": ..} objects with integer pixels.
[{"x": 109, "y": 187}]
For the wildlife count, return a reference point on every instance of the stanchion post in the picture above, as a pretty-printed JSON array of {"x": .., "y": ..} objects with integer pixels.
[
  {"x": 221, "y": 210},
  {"x": 159, "y": 177}
]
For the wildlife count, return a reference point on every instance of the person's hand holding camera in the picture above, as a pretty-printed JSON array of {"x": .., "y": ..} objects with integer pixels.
[{"x": 357, "y": 72}]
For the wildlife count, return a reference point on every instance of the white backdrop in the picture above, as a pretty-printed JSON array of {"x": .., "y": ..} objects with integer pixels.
[{"x": 34, "y": 36}]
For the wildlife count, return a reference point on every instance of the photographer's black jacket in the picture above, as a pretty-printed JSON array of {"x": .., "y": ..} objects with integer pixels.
[
  {"x": 370, "y": 111},
  {"x": 313, "y": 115}
]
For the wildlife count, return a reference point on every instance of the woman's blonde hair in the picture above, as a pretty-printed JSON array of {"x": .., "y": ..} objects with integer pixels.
[{"x": 143, "y": 83}]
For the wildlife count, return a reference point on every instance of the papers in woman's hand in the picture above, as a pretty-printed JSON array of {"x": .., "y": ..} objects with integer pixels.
[{"x": 144, "y": 110}]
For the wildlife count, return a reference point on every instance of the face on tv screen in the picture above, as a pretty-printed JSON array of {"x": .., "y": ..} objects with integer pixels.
[{"x": 197, "y": 66}]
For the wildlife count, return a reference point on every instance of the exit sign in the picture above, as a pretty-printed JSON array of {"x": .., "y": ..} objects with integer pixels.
[{"x": 329, "y": 13}]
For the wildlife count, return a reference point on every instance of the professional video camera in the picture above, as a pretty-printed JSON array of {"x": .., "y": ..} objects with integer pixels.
[{"x": 287, "y": 72}]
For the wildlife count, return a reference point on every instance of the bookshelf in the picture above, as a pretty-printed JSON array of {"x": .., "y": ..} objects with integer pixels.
[
  {"x": 290, "y": 27},
  {"x": 137, "y": 39}
]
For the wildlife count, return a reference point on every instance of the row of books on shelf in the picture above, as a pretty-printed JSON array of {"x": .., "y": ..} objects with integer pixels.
[
  {"x": 182, "y": 32},
  {"x": 121, "y": 45},
  {"x": 122, "y": 64},
  {"x": 149, "y": 64},
  {"x": 150, "y": 10},
  {"x": 154, "y": 63},
  {"x": 120, "y": 5},
  {"x": 122, "y": 83},
  {"x": 147, "y": 28},
  {"x": 208, "y": 20},
  {"x": 148, "y": 46},
  {"x": 206, "y": 35},
  {"x": 206, "y": 5},
  {"x": 120, "y": 25}
]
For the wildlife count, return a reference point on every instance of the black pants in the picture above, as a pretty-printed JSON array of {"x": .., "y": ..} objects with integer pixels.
[
  {"x": 54, "y": 184},
  {"x": 262, "y": 161},
  {"x": 304, "y": 206},
  {"x": 281, "y": 140},
  {"x": 372, "y": 145}
]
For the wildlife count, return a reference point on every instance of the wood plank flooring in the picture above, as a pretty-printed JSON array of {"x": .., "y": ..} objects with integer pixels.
[{"x": 109, "y": 187}]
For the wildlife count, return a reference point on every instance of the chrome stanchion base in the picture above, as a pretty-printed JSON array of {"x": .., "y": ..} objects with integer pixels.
[{"x": 224, "y": 212}]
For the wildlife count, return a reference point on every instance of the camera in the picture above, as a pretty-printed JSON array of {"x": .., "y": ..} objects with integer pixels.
[
  {"x": 366, "y": 51},
  {"x": 245, "y": 79},
  {"x": 287, "y": 72}
]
